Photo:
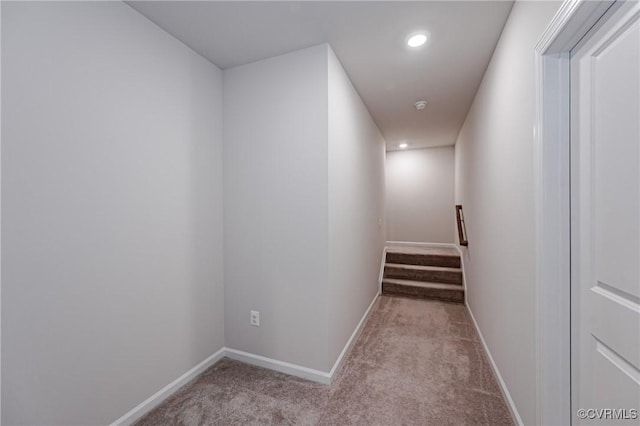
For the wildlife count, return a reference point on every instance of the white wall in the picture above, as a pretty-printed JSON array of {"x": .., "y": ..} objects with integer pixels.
[
  {"x": 111, "y": 211},
  {"x": 494, "y": 183},
  {"x": 420, "y": 195},
  {"x": 276, "y": 207},
  {"x": 304, "y": 206},
  {"x": 356, "y": 207}
]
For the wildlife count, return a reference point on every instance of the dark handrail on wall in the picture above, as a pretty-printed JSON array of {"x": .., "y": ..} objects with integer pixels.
[{"x": 462, "y": 230}]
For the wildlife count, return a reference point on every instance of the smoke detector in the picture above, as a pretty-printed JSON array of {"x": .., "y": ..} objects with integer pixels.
[{"x": 420, "y": 105}]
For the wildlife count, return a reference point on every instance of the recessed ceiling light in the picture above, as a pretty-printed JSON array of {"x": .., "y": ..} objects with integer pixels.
[
  {"x": 403, "y": 145},
  {"x": 417, "y": 40}
]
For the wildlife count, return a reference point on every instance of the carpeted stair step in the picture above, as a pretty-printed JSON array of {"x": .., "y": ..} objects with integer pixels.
[
  {"x": 435, "y": 274},
  {"x": 424, "y": 259},
  {"x": 423, "y": 290}
]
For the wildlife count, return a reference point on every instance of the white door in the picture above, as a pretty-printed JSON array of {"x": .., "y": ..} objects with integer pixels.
[{"x": 605, "y": 220}]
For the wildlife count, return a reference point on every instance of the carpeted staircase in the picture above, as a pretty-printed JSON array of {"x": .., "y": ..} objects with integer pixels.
[{"x": 425, "y": 273}]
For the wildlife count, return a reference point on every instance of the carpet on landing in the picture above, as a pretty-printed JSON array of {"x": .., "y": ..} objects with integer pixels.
[{"x": 416, "y": 362}]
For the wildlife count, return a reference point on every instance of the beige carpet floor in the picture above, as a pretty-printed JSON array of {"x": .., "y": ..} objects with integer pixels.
[{"x": 417, "y": 362}]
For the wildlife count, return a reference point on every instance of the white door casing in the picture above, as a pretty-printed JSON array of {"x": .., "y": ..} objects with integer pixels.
[
  {"x": 605, "y": 220},
  {"x": 552, "y": 196}
]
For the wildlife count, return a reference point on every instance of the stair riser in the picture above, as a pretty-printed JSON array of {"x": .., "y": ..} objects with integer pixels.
[
  {"x": 445, "y": 295},
  {"x": 424, "y": 259},
  {"x": 447, "y": 277}
]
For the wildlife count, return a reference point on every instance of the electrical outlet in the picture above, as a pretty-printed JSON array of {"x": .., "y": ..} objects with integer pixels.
[{"x": 255, "y": 318}]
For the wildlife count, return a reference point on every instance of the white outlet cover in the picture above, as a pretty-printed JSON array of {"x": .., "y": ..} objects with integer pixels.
[{"x": 255, "y": 318}]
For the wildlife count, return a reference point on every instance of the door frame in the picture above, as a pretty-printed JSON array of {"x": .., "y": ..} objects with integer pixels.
[{"x": 552, "y": 206}]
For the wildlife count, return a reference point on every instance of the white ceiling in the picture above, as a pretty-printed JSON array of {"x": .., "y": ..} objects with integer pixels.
[{"x": 369, "y": 39}]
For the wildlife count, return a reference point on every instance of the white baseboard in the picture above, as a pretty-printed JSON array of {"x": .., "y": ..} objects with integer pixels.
[
  {"x": 352, "y": 340},
  {"x": 248, "y": 358},
  {"x": 157, "y": 398},
  {"x": 464, "y": 275},
  {"x": 496, "y": 372},
  {"x": 381, "y": 275},
  {"x": 298, "y": 370},
  {"x": 419, "y": 244},
  {"x": 281, "y": 366}
]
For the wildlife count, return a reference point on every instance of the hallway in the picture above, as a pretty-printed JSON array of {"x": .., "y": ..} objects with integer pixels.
[
  {"x": 191, "y": 185},
  {"x": 417, "y": 362}
]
